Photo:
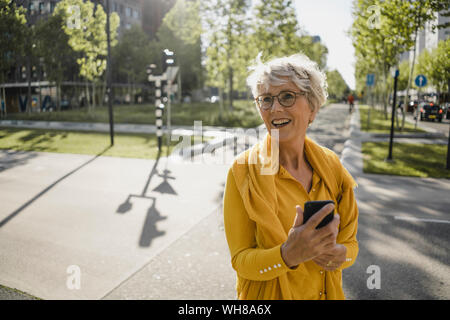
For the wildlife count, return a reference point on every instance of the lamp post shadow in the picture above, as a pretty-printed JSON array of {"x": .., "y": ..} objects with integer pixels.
[
  {"x": 50, "y": 187},
  {"x": 149, "y": 229}
]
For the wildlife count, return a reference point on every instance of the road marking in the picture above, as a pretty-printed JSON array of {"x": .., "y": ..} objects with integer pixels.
[{"x": 419, "y": 219}]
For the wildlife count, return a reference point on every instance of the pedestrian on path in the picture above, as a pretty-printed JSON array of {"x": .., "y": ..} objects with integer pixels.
[{"x": 274, "y": 254}]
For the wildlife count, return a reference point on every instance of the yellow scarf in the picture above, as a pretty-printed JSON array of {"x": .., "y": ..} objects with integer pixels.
[{"x": 254, "y": 172}]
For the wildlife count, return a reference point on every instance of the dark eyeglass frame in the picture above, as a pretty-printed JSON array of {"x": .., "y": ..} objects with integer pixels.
[{"x": 295, "y": 94}]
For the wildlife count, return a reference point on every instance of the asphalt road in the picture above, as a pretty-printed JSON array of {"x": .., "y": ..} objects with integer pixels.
[
  {"x": 404, "y": 231},
  {"x": 442, "y": 127}
]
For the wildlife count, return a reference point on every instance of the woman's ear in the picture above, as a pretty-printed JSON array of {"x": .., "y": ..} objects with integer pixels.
[{"x": 312, "y": 116}]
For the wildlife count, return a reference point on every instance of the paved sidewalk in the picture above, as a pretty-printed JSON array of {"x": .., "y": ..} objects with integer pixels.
[{"x": 108, "y": 216}]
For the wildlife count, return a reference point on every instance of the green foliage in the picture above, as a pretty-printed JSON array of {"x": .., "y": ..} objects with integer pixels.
[
  {"x": 417, "y": 160},
  {"x": 381, "y": 31},
  {"x": 378, "y": 122},
  {"x": 86, "y": 28},
  {"x": 132, "y": 54},
  {"x": 337, "y": 87},
  {"x": 436, "y": 65},
  {"x": 236, "y": 36},
  {"x": 53, "y": 47},
  {"x": 404, "y": 69},
  {"x": 13, "y": 29},
  {"x": 180, "y": 32},
  {"x": 276, "y": 28},
  {"x": 230, "y": 47},
  {"x": 125, "y": 145}
]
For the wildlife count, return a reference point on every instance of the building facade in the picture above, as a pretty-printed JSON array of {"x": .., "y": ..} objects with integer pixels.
[
  {"x": 148, "y": 14},
  {"x": 428, "y": 39}
]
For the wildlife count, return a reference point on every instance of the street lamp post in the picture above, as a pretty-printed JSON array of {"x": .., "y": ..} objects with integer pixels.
[
  {"x": 391, "y": 139},
  {"x": 108, "y": 76}
]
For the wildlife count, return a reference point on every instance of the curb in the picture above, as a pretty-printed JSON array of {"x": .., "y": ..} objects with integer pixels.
[{"x": 351, "y": 157}]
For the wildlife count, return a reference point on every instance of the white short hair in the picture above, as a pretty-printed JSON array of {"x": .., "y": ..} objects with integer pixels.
[{"x": 299, "y": 69}]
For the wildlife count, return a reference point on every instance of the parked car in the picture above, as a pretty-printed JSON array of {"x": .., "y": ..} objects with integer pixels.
[
  {"x": 430, "y": 111},
  {"x": 446, "y": 110}
]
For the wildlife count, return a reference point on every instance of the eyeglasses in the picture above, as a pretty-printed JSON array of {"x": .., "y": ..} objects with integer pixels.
[{"x": 285, "y": 98}]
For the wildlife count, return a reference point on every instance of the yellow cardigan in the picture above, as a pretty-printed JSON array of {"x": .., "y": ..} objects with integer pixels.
[{"x": 259, "y": 210}]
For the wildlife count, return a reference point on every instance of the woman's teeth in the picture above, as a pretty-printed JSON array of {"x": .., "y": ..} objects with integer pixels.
[{"x": 280, "y": 122}]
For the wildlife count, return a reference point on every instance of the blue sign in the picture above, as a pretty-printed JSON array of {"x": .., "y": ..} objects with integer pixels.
[
  {"x": 370, "y": 80},
  {"x": 395, "y": 73},
  {"x": 421, "y": 81}
]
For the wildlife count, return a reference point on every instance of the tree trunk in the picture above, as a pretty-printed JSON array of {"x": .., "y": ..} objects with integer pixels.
[
  {"x": 230, "y": 79},
  {"x": 179, "y": 87},
  {"x": 412, "y": 68},
  {"x": 409, "y": 81},
  {"x": 93, "y": 95},
  {"x": 58, "y": 96},
  {"x": 4, "y": 101},
  {"x": 3, "y": 113},
  {"x": 102, "y": 93},
  {"x": 28, "y": 108},
  {"x": 386, "y": 92},
  {"x": 88, "y": 104},
  {"x": 220, "y": 102}
]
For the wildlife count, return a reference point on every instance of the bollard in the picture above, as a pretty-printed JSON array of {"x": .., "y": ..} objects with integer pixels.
[{"x": 159, "y": 113}]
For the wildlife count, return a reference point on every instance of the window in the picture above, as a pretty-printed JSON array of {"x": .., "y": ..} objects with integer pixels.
[
  {"x": 128, "y": 11},
  {"x": 136, "y": 14},
  {"x": 41, "y": 8},
  {"x": 52, "y": 6}
]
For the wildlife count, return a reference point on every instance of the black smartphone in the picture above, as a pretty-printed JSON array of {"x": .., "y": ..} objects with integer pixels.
[{"x": 311, "y": 207}]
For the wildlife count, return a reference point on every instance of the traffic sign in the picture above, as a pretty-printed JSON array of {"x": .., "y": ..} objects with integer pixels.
[
  {"x": 370, "y": 80},
  {"x": 171, "y": 73},
  {"x": 395, "y": 73},
  {"x": 421, "y": 81}
]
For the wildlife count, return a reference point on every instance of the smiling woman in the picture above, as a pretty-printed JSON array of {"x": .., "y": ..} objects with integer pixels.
[{"x": 275, "y": 254}]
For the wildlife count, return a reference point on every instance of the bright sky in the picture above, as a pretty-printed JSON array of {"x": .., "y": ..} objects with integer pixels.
[{"x": 330, "y": 19}]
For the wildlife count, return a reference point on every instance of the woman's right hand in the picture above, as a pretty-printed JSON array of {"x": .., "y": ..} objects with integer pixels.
[{"x": 305, "y": 242}]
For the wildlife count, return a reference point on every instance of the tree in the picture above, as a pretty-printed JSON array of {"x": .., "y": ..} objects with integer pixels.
[
  {"x": 53, "y": 47},
  {"x": 337, "y": 87},
  {"x": 229, "y": 45},
  {"x": 12, "y": 28},
  {"x": 86, "y": 28},
  {"x": 382, "y": 30},
  {"x": 379, "y": 42},
  {"x": 131, "y": 56},
  {"x": 436, "y": 66},
  {"x": 276, "y": 28},
  {"x": 180, "y": 32},
  {"x": 422, "y": 11}
]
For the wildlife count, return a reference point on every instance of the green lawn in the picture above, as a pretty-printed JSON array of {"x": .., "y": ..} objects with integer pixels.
[
  {"x": 244, "y": 114},
  {"x": 417, "y": 160},
  {"x": 93, "y": 143},
  {"x": 379, "y": 124}
]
